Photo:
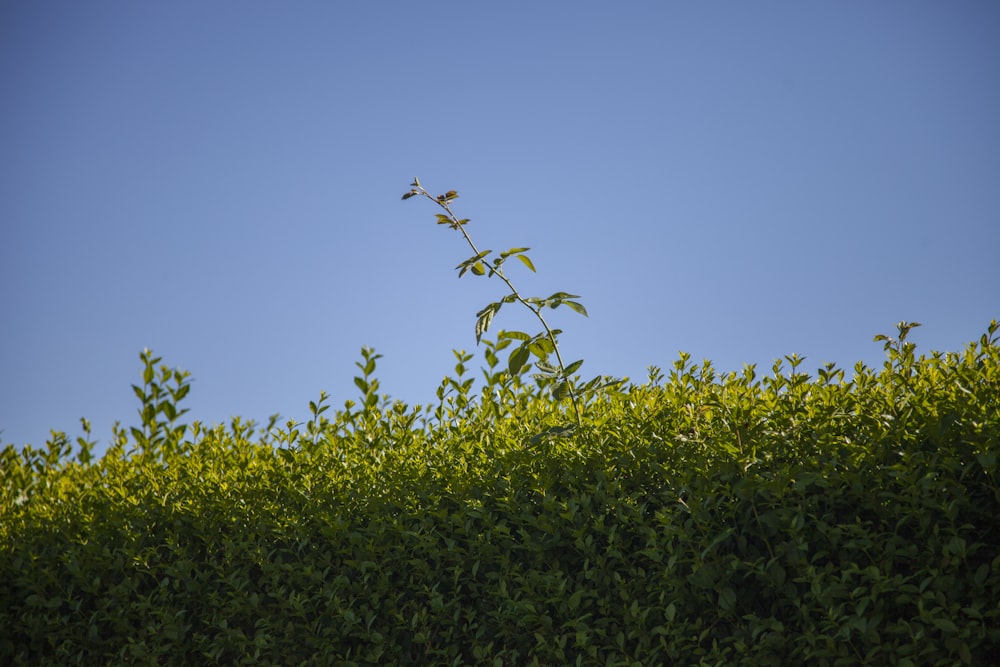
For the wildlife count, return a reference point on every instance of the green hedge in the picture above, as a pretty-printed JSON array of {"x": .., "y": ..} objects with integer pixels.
[{"x": 696, "y": 519}]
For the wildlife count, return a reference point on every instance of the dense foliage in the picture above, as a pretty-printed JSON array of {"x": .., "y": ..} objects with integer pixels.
[{"x": 696, "y": 519}]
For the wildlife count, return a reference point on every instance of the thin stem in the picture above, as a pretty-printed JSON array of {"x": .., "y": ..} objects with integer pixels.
[{"x": 443, "y": 203}]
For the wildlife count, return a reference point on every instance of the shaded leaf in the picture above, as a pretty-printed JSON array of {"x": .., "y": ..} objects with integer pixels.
[
  {"x": 547, "y": 368},
  {"x": 559, "y": 393},
  {"x": 518, "y": 358},
  {"x": 484, "y": 317},
  {"x": 553, "y": 432}
]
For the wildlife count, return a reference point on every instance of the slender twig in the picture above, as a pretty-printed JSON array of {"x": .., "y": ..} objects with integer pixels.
[{"x": 458, "y": 224}]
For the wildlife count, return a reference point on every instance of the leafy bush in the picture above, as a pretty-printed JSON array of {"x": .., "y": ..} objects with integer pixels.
[
  {"x": 694, "y": 519},
  {"x": 697, "y": 518}
]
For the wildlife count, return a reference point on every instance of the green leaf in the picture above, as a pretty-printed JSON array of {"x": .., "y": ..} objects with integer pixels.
[
  {"x": 542, "y": 347},
  {"x": 518, "y": 358},
  {"x": 945, "y": 625},
  {"x": 553, "y": 432},
  {"x": 527, "y": 262},
  {"x": 559, "y": 393},
  {"x": 547, "y": 368},
  {"x": 513, "y": 251},
  {"x": 484, "y": 317},
  {"x": 473, "y": 263},
  {"x": 572, "y": 368},
  {"x": 578, "y": 307},
  {"x": 514, "y": 335}
]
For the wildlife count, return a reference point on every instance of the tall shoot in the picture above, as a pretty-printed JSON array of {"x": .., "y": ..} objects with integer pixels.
[{"x": 558, "y": 377}]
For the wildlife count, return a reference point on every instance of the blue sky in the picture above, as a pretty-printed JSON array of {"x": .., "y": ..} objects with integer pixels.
[{"x": 221, "y": 182}]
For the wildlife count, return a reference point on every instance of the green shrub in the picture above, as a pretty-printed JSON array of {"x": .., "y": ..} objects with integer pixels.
[{"x": 695, "y": 519}]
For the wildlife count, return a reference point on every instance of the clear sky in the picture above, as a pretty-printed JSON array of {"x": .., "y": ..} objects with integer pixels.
[{"x": 221, "y": 182}]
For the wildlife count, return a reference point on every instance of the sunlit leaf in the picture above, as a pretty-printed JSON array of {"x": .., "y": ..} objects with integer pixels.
[{"x": 513, "y": 251}]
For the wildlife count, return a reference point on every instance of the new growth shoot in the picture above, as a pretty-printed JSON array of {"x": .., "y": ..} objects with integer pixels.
[{"x": 541, "y": 346}]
